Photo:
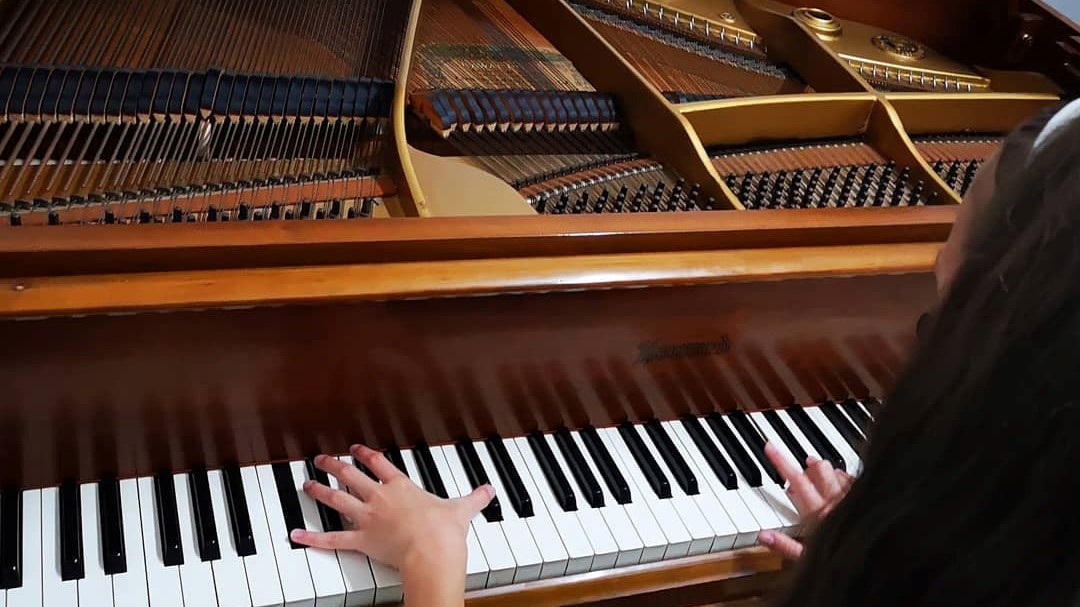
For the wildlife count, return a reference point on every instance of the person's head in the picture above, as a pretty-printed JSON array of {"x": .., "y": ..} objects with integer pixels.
[{"x": 970, "y": 490}]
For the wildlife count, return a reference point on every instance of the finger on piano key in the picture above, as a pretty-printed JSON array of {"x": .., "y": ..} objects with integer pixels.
[
  {"x": 816, "y": 437},
  {"x": 500, "y": 560},
  {"x": 740, "y": 457},
  {"x": 260, "y": 567},
  {"x": 605, "y": 465},
  {"x": 499, "y": 461},
  {"x": 196, "y": 575},
  {"x": 330, "y": 518},
  {"x": 701, "y": 532},
  {"x": 749, "y": 495},
  {"x": 55, "y": 590},
  {"x": 168, "y": 519},
  {"x": 130, "y": 586},
  {"x": 162, "y": 581},
  {"x": 647, "y": 468},
  {"x": 574, "y": 459},
  {"x": 476, "y": 566},
  {"x": 851, "y": 459},
  {"x": 11, "y": 541},
  {"x": 470, "y": 462},
  {"x": 230, "y": 576},
  {"x": 526, "y": 554},
  {"x": 662, "y": 447},
  {"x": 28, "y": 592},
  {"x": 857, "y": 414},
  {"x": 388, "y": 584},
  {"x": 292, "y": 565},
  {"x": 751, "y": 440},
  {"x": 112, "y": 526},
  {"x": 323, "y": 564},
  {"x": 773, "y": 427},
  {"x": 239, "y": 513},
  {"x": 772, "y": 492},
  {"x": 677, "y": 537},
  {"x": 553, "y": 476},
  {"x": 642, "y": 542},
  {"x": 71, "y": 533},
  {"x": 548, "y": 539},
  {"x": 429, "y": 474},
  {"x": 355, "y": 567},
  {"x": 715, "y": 494},
  {"x": 206, "y": 532}
]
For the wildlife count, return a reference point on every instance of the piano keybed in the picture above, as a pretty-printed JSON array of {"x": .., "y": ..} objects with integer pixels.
[{"x": 568, "y": 502}]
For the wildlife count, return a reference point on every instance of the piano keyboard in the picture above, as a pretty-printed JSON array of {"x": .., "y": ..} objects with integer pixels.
[{"x": 568, "y": 502}]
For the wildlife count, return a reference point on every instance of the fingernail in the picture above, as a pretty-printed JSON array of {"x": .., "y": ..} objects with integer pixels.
[
  {"x": 766, "y": 537},
  {"x": 320, "y": 458},
  {"x": 491, "y": 491},
  {"x": 307, "y": 484},
  {"x": 296, "y": 535},
  {"x": 811, "y": 460}
]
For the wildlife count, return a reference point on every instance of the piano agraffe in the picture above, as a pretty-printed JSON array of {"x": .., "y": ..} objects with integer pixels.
[{"x": 595, "y": 252}]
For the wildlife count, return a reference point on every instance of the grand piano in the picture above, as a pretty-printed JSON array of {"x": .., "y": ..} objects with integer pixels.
[{"x": 596, "y": 252}]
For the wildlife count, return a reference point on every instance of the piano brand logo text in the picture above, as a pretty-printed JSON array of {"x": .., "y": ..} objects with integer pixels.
[{"x": 651, "y": 351}]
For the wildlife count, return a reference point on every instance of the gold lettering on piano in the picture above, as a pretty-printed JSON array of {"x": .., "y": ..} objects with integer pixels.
[{"x": 651, "y": 351}]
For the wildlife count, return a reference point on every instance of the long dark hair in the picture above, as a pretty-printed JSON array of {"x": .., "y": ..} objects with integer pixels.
[{"x": 970, "y": 491}]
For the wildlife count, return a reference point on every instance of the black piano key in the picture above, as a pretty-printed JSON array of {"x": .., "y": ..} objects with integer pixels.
[
  {"x": 843, "y": 426},
  {"x": 331, "y": 520},
  {"x": 816, "y": 437},
  {"x": 873, "y": 406},
  {"x": 756, "y": 443},
  {"x": 168, "y": 519},
  {"x": 785, "y": 435},
  {"x": 720, "y": 467},
  {"x": 579, "y": 468},
  {"x": 649, "y": 468},
  {"x": 734, "y": 449},
  {"x": 556, "y": 479},
  {"x": 429, "y": 473},
  {"x": 857, "y": 415},
  {"x": 675, "y": 461},
  {"x": 394, "y": 455},
  {"x": 365, "y": 470},
  {"x": 71, "y": 543},
  {"x": 205, "y": 528},
  {"x": 511, "y": 479},
  {"x": 614, "y": 479},
  {"x": 112, "y": 526},
  {"x": 290, "y": 501},
  {"x": 239, "y": 517},
  {"x": 10, "y": 538},
  {"x": 470, "y": 461}
]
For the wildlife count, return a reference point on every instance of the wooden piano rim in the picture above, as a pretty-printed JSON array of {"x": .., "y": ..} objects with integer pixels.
[
  {"x": 117, "y": 249},
  {"x": 201, "y": 289},
  {"x": 629, "y": 581}
]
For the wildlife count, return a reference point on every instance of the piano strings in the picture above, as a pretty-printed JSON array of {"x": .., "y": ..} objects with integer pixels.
[
  {"x": 137, "y": 112},
  {"x": 956, "y": 158}
]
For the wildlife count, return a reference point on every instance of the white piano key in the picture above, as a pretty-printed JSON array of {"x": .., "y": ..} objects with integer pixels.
[
  {"x": 772, "y": 493},
  {"x": 594, "y": 529},
  {"x": 95, "y": 588},
  {"x": 701, "y": 530},
  {"x": 551, "y": 521},
  {"x": 323, "y": 564},
  {"x": 130, "y": 588},
  {"x": 642, "y": 542},
  {"x": 230, "y": 576},
  {"x": 196, "y": 575},
  {"x": 751, "y": 497},
  {"x": 292, "y": 564},
  {"x": 526, "y": 554},
  {"x": 388, "y": 584},
  {"x": 162, "y": 583},
  {"x": 500, "y": 560},
  {"x": 715, "y": 499},
  {"x": 355, "y": 567},
  {"x": 263, "y": 581},
  {"x": 476, "y": 566},
  {"x": 678, "y": 538},
  {"x": 854, "y": 463},
  {"x": 29, "y": 594}
]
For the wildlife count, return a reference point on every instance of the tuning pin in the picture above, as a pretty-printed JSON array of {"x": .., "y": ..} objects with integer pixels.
[
  {"x": 890, "y": 167},
  {"x": 224, "y": 216},
  {"x": 110, "y": 217},
  {"x": 563, "y": 204},
  {"x": 275, "y": 211},
  {"x": 335, "y": 209},
  {"x": 710, "y": 204},
  {"x": 289, "y": 215},
  {"x": 620, "y": 198},
  {"x": 351, "y": 213},
  {"x": 601, "y": 202},
  {"x": 320, "y": 214},
  {"x": 15, "y": 219},
  {"x": 582, "y": 203},
  {"x": 305, "y": 209},
  {"x": 211, "y": 213},
  {"x": 244, "y": 213},
  {"x": 916, "y": 193},
  {"x": 144, "y": 217},
  {"x": 257, "y": 215},
  {"x": 541, "y": 203},
  {"x": 177, "y": 215}
]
